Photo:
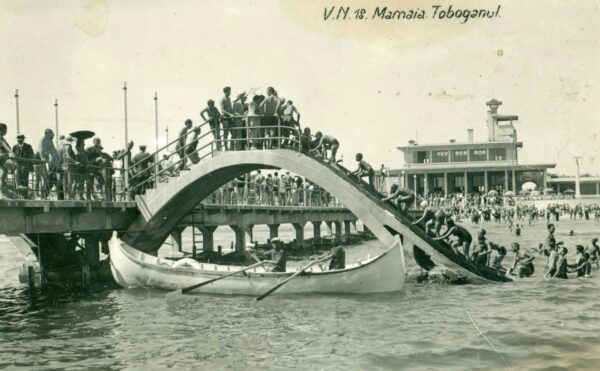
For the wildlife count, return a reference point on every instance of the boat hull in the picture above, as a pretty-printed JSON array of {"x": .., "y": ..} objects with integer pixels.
[{"x": 132, "y": 268}]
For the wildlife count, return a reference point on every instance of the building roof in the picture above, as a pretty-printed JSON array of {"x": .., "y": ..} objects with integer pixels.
[
  {"x": 458, "y": 167},
  {"x": 583, "y": 179},
  {"x": 448, "y": 145}
]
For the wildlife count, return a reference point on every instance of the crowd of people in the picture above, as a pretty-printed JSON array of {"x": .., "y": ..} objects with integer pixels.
[{"x": 276, "y": 188}]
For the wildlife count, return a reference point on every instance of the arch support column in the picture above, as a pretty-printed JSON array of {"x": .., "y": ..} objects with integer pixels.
[
  {"x": 299, "y": 227},
  {"x": 347, "y": 230},
  {"x": 317, "y": 231},
  {"x": 208, "y": 240},
  {"x": 273, "y": 230},
  {"x": 243, "y": 235},
  {"x": 338, "y": 230},
  {"x": 176, "y": 238}
]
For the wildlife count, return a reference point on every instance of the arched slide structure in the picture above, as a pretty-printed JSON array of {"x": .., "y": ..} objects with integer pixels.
[{"x": 162, "y": 208}]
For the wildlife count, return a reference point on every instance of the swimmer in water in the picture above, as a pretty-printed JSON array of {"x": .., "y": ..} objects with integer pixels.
[
  {"x": 523, "y": 265},
  {"x": 561, "y": 264}
]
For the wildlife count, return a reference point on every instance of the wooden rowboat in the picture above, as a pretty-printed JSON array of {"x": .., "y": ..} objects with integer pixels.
[{"x": 132, "y": 268}]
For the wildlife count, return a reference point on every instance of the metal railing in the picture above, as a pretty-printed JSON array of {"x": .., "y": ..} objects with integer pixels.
[
  {"x": 253, "y": 135},
  {"x": 40, "y": 179}
]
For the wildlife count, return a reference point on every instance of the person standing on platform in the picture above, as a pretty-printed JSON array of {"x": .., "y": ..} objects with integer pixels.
[
  {"x": 142, "y": 161},
  {"x": 288, "y": 122},
  {"x": 255, "y": 132},
  {"x": 269, "y": 121},
  {"x": 227, "y": 119},
  {"x": 190, "y": 151},
  {"x": 24, "y": 155},
  {"x": 6, "y": 164},
  {"x": 238, "y": 132},
  {"x": 49, "y": 155},
  {"x": 68, "y": 163},
  {"x": 213, "y": 116},
  {"x": 180, "y": 147}
]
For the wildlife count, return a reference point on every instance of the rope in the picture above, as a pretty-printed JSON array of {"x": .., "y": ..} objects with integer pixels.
[{"x": 487, "y": 339}]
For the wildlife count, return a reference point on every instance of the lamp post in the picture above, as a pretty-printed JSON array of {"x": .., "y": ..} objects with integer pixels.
[
  {"x": 126, "y": 158},
  {"x": 17, "y": 109},
  {"x": 577, "y": 180},
  {"x": 56, "y": 120}
]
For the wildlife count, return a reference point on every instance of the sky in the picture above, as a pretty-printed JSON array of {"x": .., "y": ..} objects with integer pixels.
[{"x": 373, "y": 84}]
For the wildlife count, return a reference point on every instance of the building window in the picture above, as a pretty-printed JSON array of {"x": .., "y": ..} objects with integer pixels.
[
  {"x": 423, "y": 157},
  {"x": 460, "y": 155},
  {"x": 479, "y": 154},
  {"x": 497, "y": 154},
  {"x": 440, "y": 156}
]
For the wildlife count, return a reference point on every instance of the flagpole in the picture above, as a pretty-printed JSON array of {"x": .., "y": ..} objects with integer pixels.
[
  {"x": 156, "y": 134},
  {"x": 56, "y": 119},
  {"x": 126, "y": 158},
  {"x": 17, "y": 108}
]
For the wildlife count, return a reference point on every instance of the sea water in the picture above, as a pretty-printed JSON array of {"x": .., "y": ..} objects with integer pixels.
[{"x": 530, "y": 324}]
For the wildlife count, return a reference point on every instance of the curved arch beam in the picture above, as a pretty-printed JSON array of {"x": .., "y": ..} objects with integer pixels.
[{"x": 164, "y": 207}]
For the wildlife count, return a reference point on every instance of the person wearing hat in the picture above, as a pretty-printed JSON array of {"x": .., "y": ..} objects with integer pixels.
[
  {"x": 523, "y": 264},
  {"x": 238, "y": 133},
  {"x": 278, "y": 255},
  {"x": 213, "y": 116},
  {"x": 24, "y": 156},
  {"x": 49, "y": 172},
  {"x": 142, "y": 162}
]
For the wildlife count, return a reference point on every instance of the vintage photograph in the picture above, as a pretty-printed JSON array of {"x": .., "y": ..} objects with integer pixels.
[{"x": 299, "y": 185}]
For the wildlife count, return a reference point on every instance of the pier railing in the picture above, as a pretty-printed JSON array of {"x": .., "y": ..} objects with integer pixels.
[
  {"x": 71, "y": 180},
  {"x": 51, "y": 180}
]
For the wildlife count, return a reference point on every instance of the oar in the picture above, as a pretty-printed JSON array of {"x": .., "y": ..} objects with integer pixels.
[
  {"x": 185, "y": 290},
  {"x": 274, "y": 288}
]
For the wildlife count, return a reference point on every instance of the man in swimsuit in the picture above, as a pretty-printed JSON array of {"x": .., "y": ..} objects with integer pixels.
[
  {"x": 401, "y": 196},
  {"x": 584, "y": 267},
  {"x": 463, "y": 237},
  {"x": 561, "y": 264},
  {"x": 552, "y": 260},
  {"x": 595, "y": 251},
  {"x": 523, "y": 265},
  {"x": 430, "y": 217},
  {"x": 550, "y": 240},
  {"x": 227, "y": 119},
  {"x": 324, "y": 143},
  {"x": 364, "y": 170},
  {"x": 214, "y": 120}
]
